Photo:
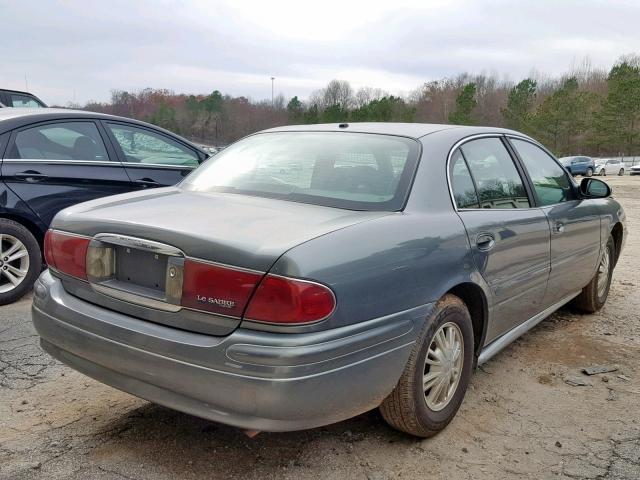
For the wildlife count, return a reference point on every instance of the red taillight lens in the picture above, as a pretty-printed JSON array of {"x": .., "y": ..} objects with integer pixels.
[
  {"x": 66, "y": 253},
  {"x": 289, "y": 301},
  {"x": 217, "y": 289}
]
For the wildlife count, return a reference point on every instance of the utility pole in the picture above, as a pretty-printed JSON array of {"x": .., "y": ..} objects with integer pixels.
[{"x": 272, "y": 79}]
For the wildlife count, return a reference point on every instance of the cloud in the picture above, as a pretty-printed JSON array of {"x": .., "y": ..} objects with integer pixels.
[{"x": 84, "y": 49}]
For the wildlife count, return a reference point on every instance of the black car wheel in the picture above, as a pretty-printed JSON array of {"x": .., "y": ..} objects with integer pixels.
[
  {"x": 20, "y": 261},
  {"x": 589, "y": 172},
  {"x": 621, "y": 172},
  {"x": 437, "y": 374}
]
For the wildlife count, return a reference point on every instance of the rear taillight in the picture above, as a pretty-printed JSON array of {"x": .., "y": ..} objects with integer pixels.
[
  {"x": 217, "y": 289},
  {"x": 289, "y": 301},
  {"x": 66, "y": 253}
]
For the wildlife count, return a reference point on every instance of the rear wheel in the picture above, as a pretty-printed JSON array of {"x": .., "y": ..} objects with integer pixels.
[
  {"x": 589, "y": 172},
  {"x": 437, "y": 374},
  {"x": 621, "y": 172},
  {"x": 20, "y": 261},
  {"x": 594, "y": 295}
]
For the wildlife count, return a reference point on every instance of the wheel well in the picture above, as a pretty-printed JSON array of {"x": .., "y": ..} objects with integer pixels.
[
  {"x": 32, "y": 227},
  {"x": 473, "y": 297},
  {"x": 616, "y": 233}
]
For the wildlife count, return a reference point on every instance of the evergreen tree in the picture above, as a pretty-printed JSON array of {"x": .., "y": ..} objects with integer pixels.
[{"x": 465, "y": 103}]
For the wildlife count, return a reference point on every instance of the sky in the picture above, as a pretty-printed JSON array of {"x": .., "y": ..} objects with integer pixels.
[{"x": 79, "y": 51}]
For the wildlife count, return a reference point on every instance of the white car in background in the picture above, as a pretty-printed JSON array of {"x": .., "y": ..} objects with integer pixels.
[
  {"x": 609, "y": 166},
  {"x": 635, "y": 170}
]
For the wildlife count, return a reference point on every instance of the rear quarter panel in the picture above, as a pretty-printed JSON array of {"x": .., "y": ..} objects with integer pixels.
[{"x": 385, "y": 266}]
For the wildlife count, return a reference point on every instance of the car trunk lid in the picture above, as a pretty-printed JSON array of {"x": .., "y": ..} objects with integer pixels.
[{"x": 148, "y": 238}]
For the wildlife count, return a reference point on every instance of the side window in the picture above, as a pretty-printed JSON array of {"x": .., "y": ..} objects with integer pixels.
[
  {"x": 551, "y": 183},
  {"x": 23, "y": 101},
  {"x": 144, "y": 146},
  {"x": 497, "y": 179},
  {"x": 464, "y": 192},
  {"x": 60, "y": 141}
]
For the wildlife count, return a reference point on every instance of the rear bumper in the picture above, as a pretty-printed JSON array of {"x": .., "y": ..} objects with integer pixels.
[{"x": 249, "y": 379}]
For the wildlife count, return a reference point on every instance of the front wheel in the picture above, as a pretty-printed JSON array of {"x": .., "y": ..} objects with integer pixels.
[
  {"x": 437, "y": 374},
  {"x": 20, "y": 261},
  {"x": 603, "y": 172},
  {"x": 589, "y": 172},
  {"x": 621, "y": 172},
  {"x": 594, "y": 295}
]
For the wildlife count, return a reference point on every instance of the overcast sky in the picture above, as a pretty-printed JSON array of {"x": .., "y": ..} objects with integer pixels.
[{"x": 86, "y": 48}]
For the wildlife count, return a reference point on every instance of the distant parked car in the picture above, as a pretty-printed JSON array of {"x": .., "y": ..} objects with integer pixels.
[
  {"x": 394, "y": 261},
  {"x": 18, "y": 99},
  {"x": 635, "y": 170},
  {"x": 609, "y": 166},
  {"x": 579, "y": 165},
  {"x": 52, "y": 159}
]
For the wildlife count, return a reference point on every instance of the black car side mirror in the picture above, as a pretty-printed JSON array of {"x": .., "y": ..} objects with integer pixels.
[{"x": 594, "y": 188}]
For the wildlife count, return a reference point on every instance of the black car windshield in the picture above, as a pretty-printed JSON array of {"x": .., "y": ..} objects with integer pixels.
[{"x": 338, "y": 169}]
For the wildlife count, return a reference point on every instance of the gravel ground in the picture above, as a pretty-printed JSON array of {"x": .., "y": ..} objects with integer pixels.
[{"x": 520, "y": 418}]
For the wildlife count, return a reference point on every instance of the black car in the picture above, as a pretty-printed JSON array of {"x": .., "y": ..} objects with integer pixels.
[
  {"x": 54, "y": 158},
  {"x": 18, "y": 99}
]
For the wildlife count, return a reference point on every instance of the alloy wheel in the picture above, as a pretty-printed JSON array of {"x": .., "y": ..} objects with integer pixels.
[
  {"x": 14, "y": 262},
  {"x": 443, "y": 366}
]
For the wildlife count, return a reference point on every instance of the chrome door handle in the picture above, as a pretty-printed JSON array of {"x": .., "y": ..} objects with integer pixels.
[
  {"x": 31, "y": 176},
  {"x": 485, "y": 241},
  {"x": 559, "y": 227}
]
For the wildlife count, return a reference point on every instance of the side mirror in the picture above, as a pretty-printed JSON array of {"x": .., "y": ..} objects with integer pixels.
[{"x": 594, "y": 188}]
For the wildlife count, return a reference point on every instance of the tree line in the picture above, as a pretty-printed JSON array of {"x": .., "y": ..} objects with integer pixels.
[{"x": 585, "y": 111}]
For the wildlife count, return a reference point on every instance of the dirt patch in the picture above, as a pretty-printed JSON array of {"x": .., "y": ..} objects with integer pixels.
[{"x": 520, "y": 418}]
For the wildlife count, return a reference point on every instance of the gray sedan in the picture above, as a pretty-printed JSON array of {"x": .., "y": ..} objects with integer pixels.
[{"x": 307, "y": 274}]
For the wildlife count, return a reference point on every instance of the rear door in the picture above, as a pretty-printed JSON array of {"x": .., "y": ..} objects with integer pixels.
[
  {"x": 509, "y": 237},
  {"x": 53, "y": 165},
  {"x": 575, "y": 223},
  {"x": 151, "y": 158}
]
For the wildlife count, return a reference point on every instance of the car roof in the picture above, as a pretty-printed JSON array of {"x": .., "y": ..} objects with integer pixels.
[
  {"x": 16, "y": 91},
  {"x": 412, "y": 130}
]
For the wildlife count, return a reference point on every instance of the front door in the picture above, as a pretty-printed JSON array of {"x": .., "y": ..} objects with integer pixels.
[
  {"x": 151, "y": 158},
  {"x": 53, "y": 165},
  {"x": 509, "y": 238},
  {"x": 575, "y": 223}
]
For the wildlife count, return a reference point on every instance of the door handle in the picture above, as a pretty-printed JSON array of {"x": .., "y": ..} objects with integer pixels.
[
  {"x": 146, "y": 182},
  {"x": 31, "y": 176},
  {"x": 485, "y": 241},
  {"x": 558, "y": 227}
]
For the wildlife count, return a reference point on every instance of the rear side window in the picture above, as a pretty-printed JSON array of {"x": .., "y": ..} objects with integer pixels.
[
  {"x": 498, "y": 182},
  {"x": 551, "y": 183},
  {"x": 140, "y": 145},
  {"x": 60, "y": 141},
  {"x": 464, "y": 192}
]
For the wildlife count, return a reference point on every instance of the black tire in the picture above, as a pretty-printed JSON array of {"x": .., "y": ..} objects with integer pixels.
[
  {"x": 589, "y": 172},
  {"x": 590, "y": 300},
  {"x": 621, "y": 172},
  {"x": 603, "y": 172},
  {"x": 406, "y": 407},
  {"x": 14, "y": 229}
]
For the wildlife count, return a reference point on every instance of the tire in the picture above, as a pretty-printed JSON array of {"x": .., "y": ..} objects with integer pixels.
[
  {"x": 21, "y": 245},
  {"x": 594, "y": 295},
  {"x": 406, "y": 408},
  {"x": 589, "y": 172},
  {"x": 603, "y": 172},
  {"x": 621, "y": 172}
]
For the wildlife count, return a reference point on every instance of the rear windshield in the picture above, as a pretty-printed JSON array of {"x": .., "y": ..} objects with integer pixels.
[{"x": 338, "y": 169}]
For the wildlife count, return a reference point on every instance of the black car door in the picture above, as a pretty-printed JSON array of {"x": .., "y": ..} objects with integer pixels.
[
  {"x": 575, "y": 223},
  {"x": 53, "y": 165},
  {"x": 509, "y": 236},
  {"x": 151, "y": 157}
]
